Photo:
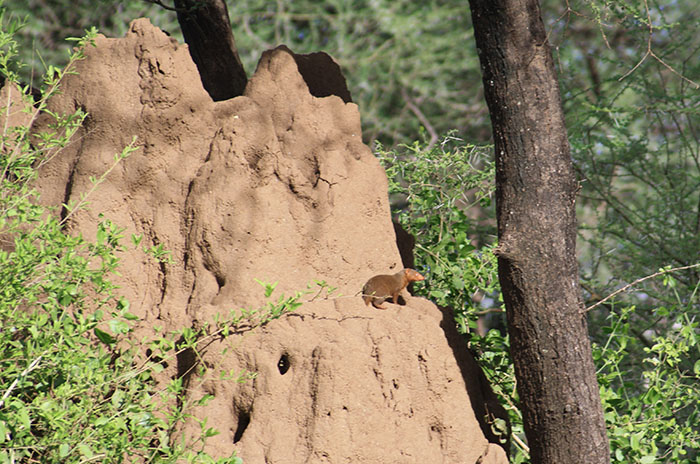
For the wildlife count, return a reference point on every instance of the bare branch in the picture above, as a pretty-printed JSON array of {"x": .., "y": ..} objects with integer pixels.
[
  {"x": 169, "y": 8},
  {"x": 421, "y": 117},
  {"x": 640, "y": 280}
]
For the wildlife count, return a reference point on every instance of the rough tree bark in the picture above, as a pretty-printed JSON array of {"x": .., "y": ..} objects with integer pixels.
[
  {"x": 535, "y": 195},
  {"x": 207, "y": 31}
]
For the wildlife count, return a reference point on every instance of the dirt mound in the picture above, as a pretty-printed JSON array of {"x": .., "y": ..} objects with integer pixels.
[{"x": 275, "y": 185}]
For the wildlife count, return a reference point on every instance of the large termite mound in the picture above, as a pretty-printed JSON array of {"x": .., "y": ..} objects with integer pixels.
[{"x": 274, "y": 185}]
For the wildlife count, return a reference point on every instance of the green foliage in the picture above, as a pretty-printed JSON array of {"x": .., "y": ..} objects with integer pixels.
[
  {"x": 651, "y": 411},
  {"x": 246, "y": 319},
  {"x": 440, "y": 186},
  {"x": 68, "y": 394},
  {"x": 635, "y": 143},
  {"x": 650, "y": 390},
  {"x": 625, "y": 73}
]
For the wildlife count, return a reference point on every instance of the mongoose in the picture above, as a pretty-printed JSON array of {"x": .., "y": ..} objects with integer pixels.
[{"x": 380, "y": 288}]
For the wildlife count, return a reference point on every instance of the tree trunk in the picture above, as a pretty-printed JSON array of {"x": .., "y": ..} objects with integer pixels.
[
  {"x": 535, "y": 195},
  {"x": 207, "y": 30}
]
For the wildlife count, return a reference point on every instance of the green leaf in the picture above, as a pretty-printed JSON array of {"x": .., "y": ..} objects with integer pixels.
[
  {"x": 210, "y": 432},
  {"x": 634, "y": 441},
  {"x": 23, "y": 418},
  {"x": 101, "y": 235},
  {"x": 118, "y": 398},
  {"x": 63, "y": 450},
  {"x": 457, "y": 282},
  {"x": 104, "y": 337},
  {"x": 619, "y": 455},
  {"x": 435, "y": 293},
  {"x": 118, "y": 326},
  {"x": 85, "y": 451},
  {"x": 123, "y": 304},
  {"x": 157, "y": 367},
  {"x": 136, "y": 239}
]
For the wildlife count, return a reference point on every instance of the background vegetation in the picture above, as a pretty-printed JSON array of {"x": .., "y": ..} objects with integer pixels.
[{"x": 628, "y": 74}]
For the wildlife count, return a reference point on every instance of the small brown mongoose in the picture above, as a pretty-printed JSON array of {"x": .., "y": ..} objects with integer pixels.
[{"x": 380, "y": 288}]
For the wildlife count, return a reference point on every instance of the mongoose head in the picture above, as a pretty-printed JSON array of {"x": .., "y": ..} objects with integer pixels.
[{"x": 412, "y": 275}]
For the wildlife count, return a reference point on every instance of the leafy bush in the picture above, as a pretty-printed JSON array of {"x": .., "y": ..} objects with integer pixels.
[{"x": 652, "y": 411}]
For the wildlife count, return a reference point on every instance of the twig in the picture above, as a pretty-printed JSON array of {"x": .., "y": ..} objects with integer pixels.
[
  {"x": 170, "y": 8},
  {"x": 489, "y": 311},
  {"x": 521, "y": 443},
  {"x": 641, "y": 279},
  {"x": 30, "y": 368},
  {"x": 421, "y": 117}
]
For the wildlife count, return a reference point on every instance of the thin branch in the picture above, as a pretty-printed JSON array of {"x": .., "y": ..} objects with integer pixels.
[
  {"x": 30, "y": 368},
  {"x": 640, "y": 280},
  {"x": 635, "y": 66},
  {"x": 489, "y": 311},
  {"x": 697, "y": 86},
  {"x": 521, "y": 443},
  {"x": 651, "y": 53},
  {"x": 421, "y": 117}
]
